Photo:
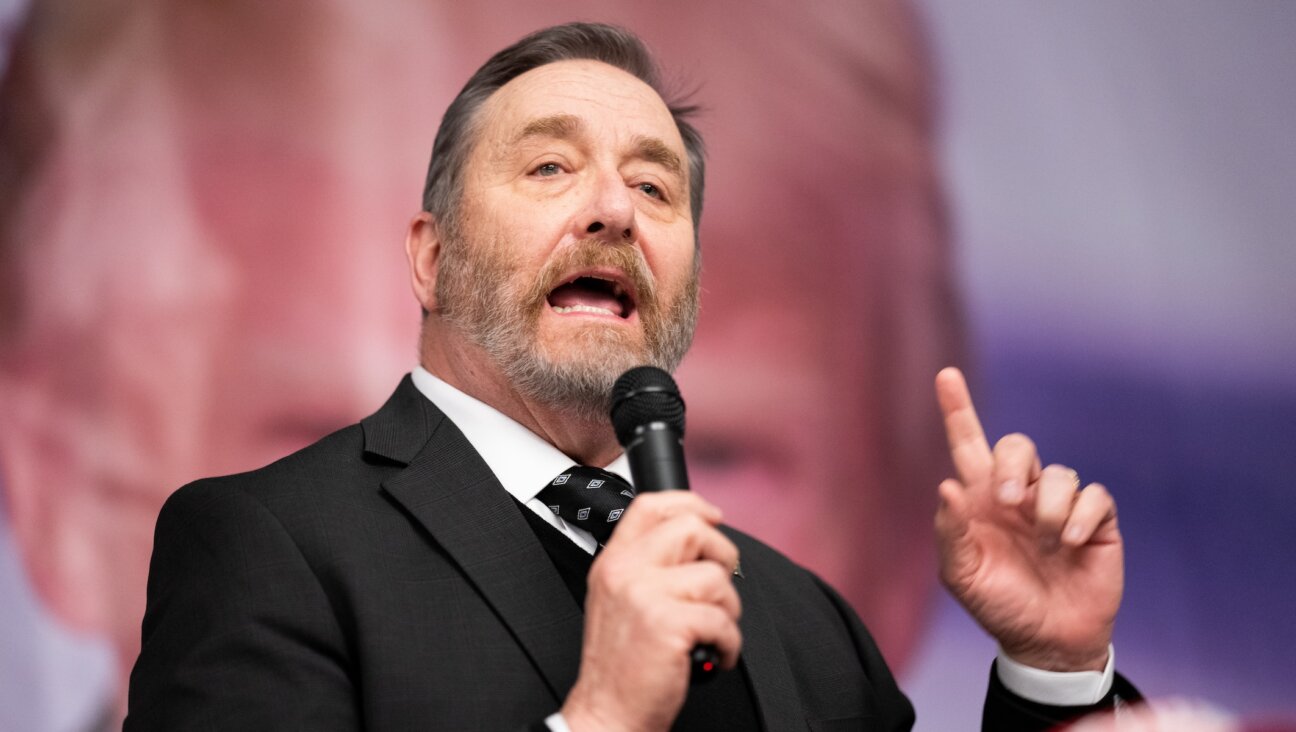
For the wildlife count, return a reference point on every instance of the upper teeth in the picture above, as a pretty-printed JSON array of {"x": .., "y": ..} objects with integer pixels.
[
  {"x": 617, "y": 289},
  {"x": 583, "y": 309}
]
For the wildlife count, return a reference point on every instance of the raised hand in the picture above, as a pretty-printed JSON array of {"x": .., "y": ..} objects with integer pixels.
[{"x": 1037, "y": 561}]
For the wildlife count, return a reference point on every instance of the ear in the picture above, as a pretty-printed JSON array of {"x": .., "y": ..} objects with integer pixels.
[{"x": 423, "y": 253}]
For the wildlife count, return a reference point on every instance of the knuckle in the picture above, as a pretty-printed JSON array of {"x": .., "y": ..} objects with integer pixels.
[
  {"x": 715, "y": 574},
  {"x": 949, "y": 580},
  {"x": 603, "y": 583},
  {"x": 1058, "y": 470},
  {"x": 1103, "y": 502},
  {"x": 729, "y": 548},
  {"x": 1050, "y": 522},
  {"x": 1015, "y": 442},
  {"x": 697, "y": 523},
  {"x": 689, "y": 537},
  {"x": 735, "y": 631},
  {"x": 686, "y": 502},
  {"x": 702, "y": 535},
  {"x": 652, "y": 506},
  {"x": 737, "y": 643}
]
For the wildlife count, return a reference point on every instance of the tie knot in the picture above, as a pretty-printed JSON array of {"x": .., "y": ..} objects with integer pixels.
[{"x": 590, "y": 498}]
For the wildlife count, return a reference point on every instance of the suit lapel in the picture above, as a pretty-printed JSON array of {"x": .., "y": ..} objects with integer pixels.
[
  {"x": 765, "y": 661},
  {"x": 448, "y": 489}
]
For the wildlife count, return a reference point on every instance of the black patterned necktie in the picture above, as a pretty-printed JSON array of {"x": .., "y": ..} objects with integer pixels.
[{"x": 590, "y": 498}]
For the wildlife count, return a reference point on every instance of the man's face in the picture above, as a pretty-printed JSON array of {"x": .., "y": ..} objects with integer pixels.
[{"x": 571, "y": 258}]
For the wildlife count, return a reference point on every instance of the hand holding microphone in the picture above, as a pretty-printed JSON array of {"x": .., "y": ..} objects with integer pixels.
[
  {"x": 648, "y": 416},
  {"x": 661, "y": 592}
]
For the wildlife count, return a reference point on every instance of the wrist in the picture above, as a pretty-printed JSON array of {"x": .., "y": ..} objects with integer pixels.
[
  {"x": 1060, "y": 660},
  {"x": 585, "y": 720},
  {"x": 582, "y": 714}
]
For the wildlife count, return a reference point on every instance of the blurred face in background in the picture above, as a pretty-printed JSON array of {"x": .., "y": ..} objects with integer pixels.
[
  {"x": 808, "y": 383},
  {"x": 827, "y": 308}
]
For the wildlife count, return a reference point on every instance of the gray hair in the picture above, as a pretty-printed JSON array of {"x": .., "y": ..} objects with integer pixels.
[{"x": 574, "y": 41}]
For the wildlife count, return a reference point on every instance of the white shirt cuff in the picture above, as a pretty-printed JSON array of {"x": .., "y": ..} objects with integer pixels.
[
  {"x": 1055, "y": 688},
  {"x": 556, "y": 723}
]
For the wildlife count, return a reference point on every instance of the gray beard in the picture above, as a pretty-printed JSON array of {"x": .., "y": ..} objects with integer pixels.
[{"x": 480, "y": 297}]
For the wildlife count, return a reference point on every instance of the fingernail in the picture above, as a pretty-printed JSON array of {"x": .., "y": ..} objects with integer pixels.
[{"x": 1010, "y": 492}]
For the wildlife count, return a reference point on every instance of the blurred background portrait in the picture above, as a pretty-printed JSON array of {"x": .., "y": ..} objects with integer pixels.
[{"x": 202, "y": 212}]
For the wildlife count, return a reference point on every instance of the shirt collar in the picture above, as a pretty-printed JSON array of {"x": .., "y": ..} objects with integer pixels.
[{"x": 520, "y": 459}]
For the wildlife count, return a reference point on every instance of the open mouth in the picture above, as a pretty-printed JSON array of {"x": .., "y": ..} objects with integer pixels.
[{"x": 593, "y": 294}]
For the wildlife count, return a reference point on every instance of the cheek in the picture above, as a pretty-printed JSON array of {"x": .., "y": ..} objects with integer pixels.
[
  {"x": 672, "y": 267},
  {"x": 510, "y": 206}
]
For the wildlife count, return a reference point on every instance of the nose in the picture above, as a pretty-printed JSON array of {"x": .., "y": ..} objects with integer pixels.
[{"x": 610, "y": 212}]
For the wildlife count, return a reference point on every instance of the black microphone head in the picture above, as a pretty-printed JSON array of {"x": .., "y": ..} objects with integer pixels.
[{"x": 642, "y": 395}]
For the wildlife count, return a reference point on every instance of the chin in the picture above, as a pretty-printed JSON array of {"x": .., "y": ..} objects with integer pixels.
[
  {"x": 589, "y": 345},
  {"x": 577, "y": 370}
]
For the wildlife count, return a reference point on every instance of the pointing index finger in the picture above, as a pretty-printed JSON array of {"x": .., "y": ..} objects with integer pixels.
[{"x": 967, "y": 441}]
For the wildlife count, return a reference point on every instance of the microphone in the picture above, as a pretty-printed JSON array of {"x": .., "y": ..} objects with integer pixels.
[{"x": 648, "y": 417}]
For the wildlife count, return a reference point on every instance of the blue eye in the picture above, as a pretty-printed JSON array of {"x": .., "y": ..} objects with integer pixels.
[
  {"x": 548, "y": 169},
  {"x": 650, "y": 189}
]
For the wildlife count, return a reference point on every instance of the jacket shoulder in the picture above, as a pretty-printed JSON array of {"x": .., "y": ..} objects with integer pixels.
[{"x": 334, "y": 461}]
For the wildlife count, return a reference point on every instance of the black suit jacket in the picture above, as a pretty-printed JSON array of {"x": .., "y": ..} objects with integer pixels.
[{"x": 382, "y": 579}]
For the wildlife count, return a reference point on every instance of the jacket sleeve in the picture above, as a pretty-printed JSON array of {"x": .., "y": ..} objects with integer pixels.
[
  {"x": 897, "y": 714},
  {"x": 238, "y": 633}
]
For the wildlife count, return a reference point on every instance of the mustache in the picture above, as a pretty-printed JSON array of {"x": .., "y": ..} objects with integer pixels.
[{"x": 590, "y": 253}]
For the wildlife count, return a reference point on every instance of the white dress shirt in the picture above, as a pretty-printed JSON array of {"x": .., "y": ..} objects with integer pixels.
[
  {"x": 524, "y": 464},
  {"x": 522, "y": 461}
]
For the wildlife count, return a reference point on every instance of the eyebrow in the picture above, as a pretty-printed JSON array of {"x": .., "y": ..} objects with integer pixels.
[
  {"x": 570, "y": 127},
  {"x": 654, "y": 150},
  {"x": 559, "y": 126}
]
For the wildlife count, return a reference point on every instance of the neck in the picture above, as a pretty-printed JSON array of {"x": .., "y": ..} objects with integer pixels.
[{"x": 585, "y": 438}]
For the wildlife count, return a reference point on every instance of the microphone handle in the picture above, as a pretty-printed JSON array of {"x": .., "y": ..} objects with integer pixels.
[{"x": 656, "y": 457}]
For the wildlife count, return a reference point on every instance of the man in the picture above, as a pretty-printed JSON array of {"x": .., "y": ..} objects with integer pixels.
[{"x": 387, "y": 576}]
